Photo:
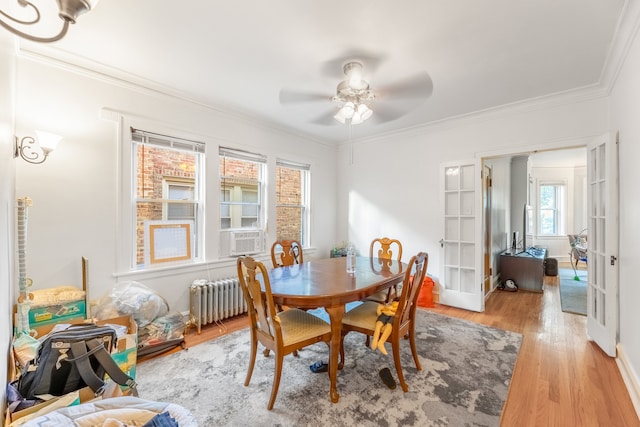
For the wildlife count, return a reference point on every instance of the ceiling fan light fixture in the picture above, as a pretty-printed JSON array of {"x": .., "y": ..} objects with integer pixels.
[
  {"x": 356, "y": 119},
  {"x": 340, "y": 117},
  {"x": 348, "y": 109},
  {"x": 364, "y": 111}
]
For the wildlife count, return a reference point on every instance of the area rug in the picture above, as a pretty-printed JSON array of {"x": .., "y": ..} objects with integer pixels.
[
  {"x": 466, "y": 370},
  {"x": 573, "y": 293}
]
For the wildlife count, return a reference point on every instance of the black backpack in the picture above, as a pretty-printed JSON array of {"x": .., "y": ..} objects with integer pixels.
[{"x": 71, "y": 359}]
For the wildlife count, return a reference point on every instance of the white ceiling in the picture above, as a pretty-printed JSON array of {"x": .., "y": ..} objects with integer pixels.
[
  {"x": 237, "y": 55},
  {"x": 572, "y": 157}
]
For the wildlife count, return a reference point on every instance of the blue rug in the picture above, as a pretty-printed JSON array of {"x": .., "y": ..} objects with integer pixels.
[
  {"x": 573, "y": 293},
  {"x": 321, "y": 313}
]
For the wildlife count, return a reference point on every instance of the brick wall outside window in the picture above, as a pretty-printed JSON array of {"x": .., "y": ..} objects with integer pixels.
[{"x": 154, "y": 166}]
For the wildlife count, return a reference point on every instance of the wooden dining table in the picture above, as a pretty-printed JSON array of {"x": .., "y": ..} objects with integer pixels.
[{"x": 326, "y": 283}]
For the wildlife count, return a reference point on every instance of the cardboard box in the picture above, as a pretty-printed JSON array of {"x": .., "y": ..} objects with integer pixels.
[
  {"x": 84, "y": 395},
  {"x": 59, "y": 313},
  {"x": 125, "y": 352},
  {"x": 74, "y": 398}
]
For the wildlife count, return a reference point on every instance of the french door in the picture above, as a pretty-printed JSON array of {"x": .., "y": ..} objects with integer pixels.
[
  {"x": 602, "y": 200},
  {"x": 461, "y": 284}
]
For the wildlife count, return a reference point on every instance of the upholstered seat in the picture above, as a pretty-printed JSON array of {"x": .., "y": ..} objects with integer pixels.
[
  {"x": 281, "y": 332},
  {"x": 364, "y": 317}
]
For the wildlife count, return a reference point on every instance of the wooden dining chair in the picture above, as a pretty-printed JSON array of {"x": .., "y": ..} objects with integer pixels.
[
  {"x": 289, "y": 252},
  {"x": 364, "y": 317},
  {"x": 383, "y": 248},
  {"x": 282, "y": 332}
]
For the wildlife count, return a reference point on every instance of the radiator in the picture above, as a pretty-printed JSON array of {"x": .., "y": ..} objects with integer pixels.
[{"x": 213, "y": 301}]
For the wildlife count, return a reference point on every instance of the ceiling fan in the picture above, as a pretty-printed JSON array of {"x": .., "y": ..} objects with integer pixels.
[{"x": 355, "y": 101}]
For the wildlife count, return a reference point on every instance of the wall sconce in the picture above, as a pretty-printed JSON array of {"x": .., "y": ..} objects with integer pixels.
[
  {"x": 68, "y": 11},
  {"x": 27, "y": 147}
]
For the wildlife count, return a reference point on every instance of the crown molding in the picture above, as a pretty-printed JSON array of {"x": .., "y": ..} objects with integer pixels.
[
  {"x": 559, "y": 99},
  {"x": 626, "y": 31},
  {"x": 57, "y": 58}
]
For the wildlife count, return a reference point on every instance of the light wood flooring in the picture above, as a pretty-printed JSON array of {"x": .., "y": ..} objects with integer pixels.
[{"x": 560, "y": 378}]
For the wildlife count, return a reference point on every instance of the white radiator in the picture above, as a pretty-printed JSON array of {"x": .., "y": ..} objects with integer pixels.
[{"x": 212, "y": 301}]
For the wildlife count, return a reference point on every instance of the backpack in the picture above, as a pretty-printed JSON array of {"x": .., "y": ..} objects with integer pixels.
[{"x": 71, "y": 359}]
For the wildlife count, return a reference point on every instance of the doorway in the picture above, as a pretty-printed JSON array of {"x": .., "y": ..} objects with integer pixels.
[{"x": 515, "y": 181}]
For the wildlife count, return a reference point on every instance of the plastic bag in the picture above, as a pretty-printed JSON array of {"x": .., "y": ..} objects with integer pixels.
[
  {"x": 162, "y": 329},
  {"x": 131, "y": 298},
  {"x": 25, "y": 349}
]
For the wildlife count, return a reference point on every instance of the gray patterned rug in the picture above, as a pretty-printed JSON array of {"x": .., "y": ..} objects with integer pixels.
[{"x": 466, "y": 369}]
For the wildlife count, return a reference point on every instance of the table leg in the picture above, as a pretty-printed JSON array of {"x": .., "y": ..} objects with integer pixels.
[{"x": 335, "y": 317}]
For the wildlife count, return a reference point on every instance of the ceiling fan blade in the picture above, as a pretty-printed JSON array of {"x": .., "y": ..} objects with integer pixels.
[
  {"x": 288, "y": 96},
  {"x": 417, "y": 86},
  {"x": 326, "y": 119},
  {"x": 385, "y": 113}
]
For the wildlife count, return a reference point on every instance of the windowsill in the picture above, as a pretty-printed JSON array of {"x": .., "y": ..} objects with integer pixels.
[{"x": 195, "y": 267}]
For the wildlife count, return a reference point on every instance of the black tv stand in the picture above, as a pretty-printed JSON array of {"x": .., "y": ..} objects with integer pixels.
[{"x": 525, "y": 268}]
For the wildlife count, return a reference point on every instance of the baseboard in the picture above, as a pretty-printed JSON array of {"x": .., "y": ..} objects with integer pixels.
[{"x": 629, "y": 377}]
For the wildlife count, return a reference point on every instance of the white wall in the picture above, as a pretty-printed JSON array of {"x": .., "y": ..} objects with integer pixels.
[
  {"x": 75, "y": 192},
  {"x": 7, "y": 196},
  {"x": 625, "y": 110},
  {"x": 519, "y": 197},
  {"x": 393, "y": 186}
]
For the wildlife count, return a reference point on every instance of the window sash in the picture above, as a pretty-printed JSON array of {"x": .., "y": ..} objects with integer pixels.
[
  {"x": 152, "y": 202},
  {"x": 294, "y": 208},
  {"x": 550, "y": 208},
  {"x": 144, "y": 137},
  {"x": 237, "y": 210}
]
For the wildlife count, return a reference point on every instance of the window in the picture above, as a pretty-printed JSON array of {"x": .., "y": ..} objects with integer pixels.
[
  {"x": 241, "y": 189},
  {"x": 167, "y": 176},
  {"x": 551, "y": 211},
  {"x": 183, "y": 189},
  {"x": 292, "y": 201}
]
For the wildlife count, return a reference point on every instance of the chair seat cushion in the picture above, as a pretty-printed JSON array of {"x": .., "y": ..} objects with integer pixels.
[
  {"x": 381, "y": 296},
  {"x": 298, "y": 325},
  {"x": 363, "y": 316}
]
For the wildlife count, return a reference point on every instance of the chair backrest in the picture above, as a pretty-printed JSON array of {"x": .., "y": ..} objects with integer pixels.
[
  {"x": 413, "y": 278},
  {"x": 385, "y": 247},
  {"x": 261, "y": 308},
  {"x": 290, "y": 252}
]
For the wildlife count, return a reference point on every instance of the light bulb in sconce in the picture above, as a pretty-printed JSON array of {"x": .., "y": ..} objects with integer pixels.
[{"x": 27, "y": 147}]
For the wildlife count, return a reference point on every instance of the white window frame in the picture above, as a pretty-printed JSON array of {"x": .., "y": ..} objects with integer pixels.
[
  {"x": 560, "y": 208},
  {"x": 136, "y": 137},
  {"x": 261, "y": 162},
  {"x": 305, "y": 196},
  {"x": 169, "y": 182}
]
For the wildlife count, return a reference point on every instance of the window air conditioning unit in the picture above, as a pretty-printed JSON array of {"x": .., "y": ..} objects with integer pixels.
[{"x": 241, "y": 242}]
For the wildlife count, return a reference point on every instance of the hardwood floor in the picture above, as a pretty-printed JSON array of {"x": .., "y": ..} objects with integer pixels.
[{"x": 560, "y": 378}]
